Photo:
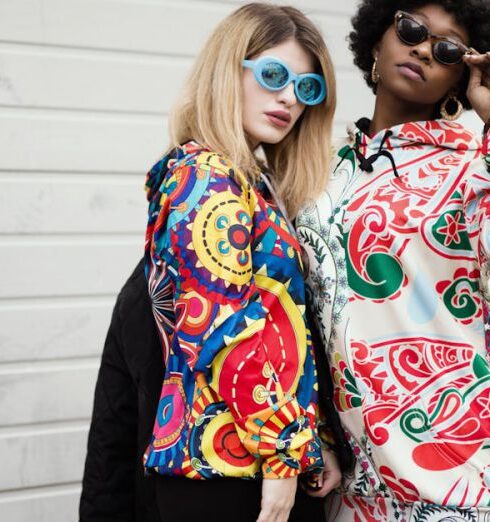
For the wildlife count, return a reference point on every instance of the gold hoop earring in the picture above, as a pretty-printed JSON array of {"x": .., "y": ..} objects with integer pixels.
[
  {"x": 374, "y": 72},
  {"x": 459, "y": 108}
]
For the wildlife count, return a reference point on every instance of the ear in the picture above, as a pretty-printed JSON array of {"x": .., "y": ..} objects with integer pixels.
[{"x": 375, "y": 51}]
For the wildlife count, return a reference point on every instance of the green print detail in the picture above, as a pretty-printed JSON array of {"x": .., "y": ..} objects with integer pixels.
[
  {"x": 450, "y": 231},
  {"x": 351, "y": 387},
  {"x": 316, "y": 247},
  {"x": 414, "y": 422},
  {"x": 480, "y": 367},
  {"x": 426, "y": 512},
  {"x": 458, "y": 301},
  {"x": 346, "y": 153},
  {"x": 366, "y": 478},
  {"x": 385, "y": 276}
]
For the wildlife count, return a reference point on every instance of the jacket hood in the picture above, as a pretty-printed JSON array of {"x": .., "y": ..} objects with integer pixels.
[
  {"x": 435, "y": 133},
  {"x": 156, "y": 175}
]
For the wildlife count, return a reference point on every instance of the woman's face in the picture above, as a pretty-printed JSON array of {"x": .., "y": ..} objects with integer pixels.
[
  {"x": 268, "y": 116},
  {"x": 410, "y": 73}
]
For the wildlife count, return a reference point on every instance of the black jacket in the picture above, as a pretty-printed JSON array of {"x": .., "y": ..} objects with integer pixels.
[
  {"x": 114, "y": 487},
  {"x": 128, "y": 387}
]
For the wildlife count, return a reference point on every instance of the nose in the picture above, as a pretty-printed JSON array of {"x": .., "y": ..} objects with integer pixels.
[
  {"x": 423, "y": 51},
  {"x": 287, "y": 96}
]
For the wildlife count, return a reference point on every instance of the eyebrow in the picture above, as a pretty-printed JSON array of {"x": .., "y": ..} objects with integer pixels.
[{"x": 449, "y": 32}]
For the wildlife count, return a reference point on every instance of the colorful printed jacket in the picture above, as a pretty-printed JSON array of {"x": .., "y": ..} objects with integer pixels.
[
  {"x": 399, "y": 258},
  {"x": 225, "y": 278}
]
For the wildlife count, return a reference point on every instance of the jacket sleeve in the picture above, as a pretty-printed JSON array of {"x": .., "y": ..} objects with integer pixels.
[
  {"x": 114, "y": 488},
  {"x": 108, "y": 480},
  {"x": 204, "y": 234}
]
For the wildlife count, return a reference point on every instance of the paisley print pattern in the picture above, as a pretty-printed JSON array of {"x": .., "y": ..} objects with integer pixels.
[
  {"x": 399, "y": 271},
  {"x": 224, "y": 274}
]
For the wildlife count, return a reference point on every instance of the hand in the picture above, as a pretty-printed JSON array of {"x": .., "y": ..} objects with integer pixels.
[
  {"x": 479, "y": 85},
  {"x": 330, "y": 477},
  {"x": 277, "y": 499}
]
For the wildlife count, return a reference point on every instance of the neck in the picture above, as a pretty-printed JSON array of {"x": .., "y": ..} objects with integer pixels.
[{"x": 390, "y": 111}]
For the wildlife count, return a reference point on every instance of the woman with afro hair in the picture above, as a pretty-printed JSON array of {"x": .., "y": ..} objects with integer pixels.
[{"x": 399, "y": 267}]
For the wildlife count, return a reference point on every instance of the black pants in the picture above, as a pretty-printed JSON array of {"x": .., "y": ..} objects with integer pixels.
[{"x": 224, "y": 500}]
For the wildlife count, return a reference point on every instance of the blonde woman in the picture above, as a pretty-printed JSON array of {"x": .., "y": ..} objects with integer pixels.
[{"x": 237, "y": 418}]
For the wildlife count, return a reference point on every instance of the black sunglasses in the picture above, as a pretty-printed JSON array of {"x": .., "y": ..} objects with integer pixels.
[{"x": 412, "y": 32}]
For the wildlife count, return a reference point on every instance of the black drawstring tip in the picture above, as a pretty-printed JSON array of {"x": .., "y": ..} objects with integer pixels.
[{"x": 366, "y": 165}]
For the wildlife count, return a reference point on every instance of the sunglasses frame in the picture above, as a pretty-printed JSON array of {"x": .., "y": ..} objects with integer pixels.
[
  {"x": 434, "y": 37},
  {"x": 257, "y": 68}
]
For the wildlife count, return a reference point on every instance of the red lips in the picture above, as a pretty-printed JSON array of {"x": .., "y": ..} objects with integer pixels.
[
  {"x": 414, "y": 67},
  {"x": 280, "y": 115}
]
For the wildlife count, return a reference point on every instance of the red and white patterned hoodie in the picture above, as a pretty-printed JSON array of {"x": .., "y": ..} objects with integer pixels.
[{"x": 399, "y": 248}]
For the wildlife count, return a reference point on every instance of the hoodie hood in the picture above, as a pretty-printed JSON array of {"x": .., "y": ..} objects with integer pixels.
[
  {"x": 401, "y": 140},
  {"x": 434, "y": 133}
]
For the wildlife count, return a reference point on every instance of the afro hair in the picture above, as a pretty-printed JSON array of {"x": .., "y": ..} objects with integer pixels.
[{"x": 374, "y": 17}]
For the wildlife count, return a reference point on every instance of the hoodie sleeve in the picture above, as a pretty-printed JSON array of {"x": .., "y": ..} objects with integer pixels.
[
  {"x": 204, "y": 224},
  {"x": 486, "y": 145},
  {"x": 476, "y": 208}
]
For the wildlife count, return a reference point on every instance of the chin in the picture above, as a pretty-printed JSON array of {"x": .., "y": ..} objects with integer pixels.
[
  {"x": 272, "y": 136},
  {"x": 410, "y": 93},
  {"x": 273, "y": 141}
]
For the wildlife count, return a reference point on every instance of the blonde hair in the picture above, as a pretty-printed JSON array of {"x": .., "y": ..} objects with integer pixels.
[{"x": 210, "y": 108}]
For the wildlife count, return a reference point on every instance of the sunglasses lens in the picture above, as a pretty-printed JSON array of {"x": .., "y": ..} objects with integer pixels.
[
  {"x": 447, "y": 52},
  {"x": 410, "y": 31},
  {"x": 274, "y": 75},
  {"x": 309, "y": 90}
]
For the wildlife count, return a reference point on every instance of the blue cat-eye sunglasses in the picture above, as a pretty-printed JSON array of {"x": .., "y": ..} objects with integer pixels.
[{"x": 274, "y": 75}]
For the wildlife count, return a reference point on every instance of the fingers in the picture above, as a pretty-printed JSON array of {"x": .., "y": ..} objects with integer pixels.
[
  {"x": 319, "y": 493},
  {"x": 481, "y": 60},
  {"x": 476, "y": 76},
  {"x": 478, "y": 63},
  {"x": 331, "y": 480}
]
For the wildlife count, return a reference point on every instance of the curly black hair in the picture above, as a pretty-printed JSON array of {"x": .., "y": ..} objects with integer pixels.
[{"x": 374, "y": 17}]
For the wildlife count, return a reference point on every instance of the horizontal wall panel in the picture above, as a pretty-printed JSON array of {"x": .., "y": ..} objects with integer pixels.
[
  {"x": 89, "y": 81},
  {"x": 160, "y": 27},
  {"x": 334, "y": 31},
  {"x": 41, "y": 456},
  {"x": 58, "y": 141},
  {"x": 47, "y": 392},
  {"x": 62, "y": 329},
  {"x": 344, "y": 7},
  {"x": 354, "y": 99},
  {"x": 339, "y": 130},
  {"x": 60, "y": 144},
  {"x": 178, "y": 28},
  {"x": 84, "y": 80},
  {"x": 41, "y": 504},
  {"x": 72, "y": 204},
  {"x": 59, "y": 267}
]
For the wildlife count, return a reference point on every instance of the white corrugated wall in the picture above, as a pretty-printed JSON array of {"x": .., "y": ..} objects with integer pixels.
[{"x": 85, "y": 89}]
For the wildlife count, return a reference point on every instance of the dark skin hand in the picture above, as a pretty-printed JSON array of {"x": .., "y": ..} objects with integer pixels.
[
  {"x": 479, "y": 86},
  {"x": 329, "y": 479},
  {"x": 403, "y": 97}
]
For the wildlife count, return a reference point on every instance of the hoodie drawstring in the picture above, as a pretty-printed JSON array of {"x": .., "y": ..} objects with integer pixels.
[{"x": 366, "y": 164}]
